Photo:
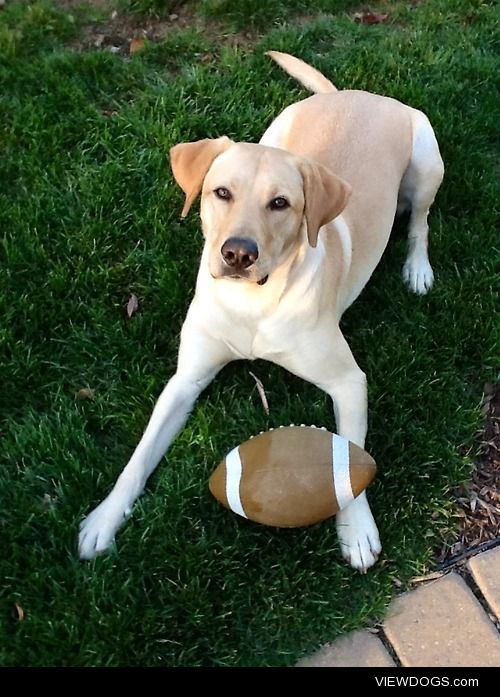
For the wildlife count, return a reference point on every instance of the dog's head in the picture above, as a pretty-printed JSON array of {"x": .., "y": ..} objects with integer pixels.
[{"x": 254, "y": 204}]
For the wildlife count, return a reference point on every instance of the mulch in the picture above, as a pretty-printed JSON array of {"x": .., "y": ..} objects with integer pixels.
[{"x": 479, "y": 500}]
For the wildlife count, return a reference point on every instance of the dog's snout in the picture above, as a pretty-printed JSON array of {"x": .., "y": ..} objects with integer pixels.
[{"x": 239, "y": 252}]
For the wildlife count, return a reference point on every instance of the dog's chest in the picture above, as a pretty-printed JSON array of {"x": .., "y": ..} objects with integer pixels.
[
  {"x": 260, "y": 328},
  {"x": 269, "y": 338}
]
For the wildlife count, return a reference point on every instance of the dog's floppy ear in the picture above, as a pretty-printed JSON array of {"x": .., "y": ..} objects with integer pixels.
[
  {"x": 325, "y": 194},
  {"x": 190, "y": 163}
]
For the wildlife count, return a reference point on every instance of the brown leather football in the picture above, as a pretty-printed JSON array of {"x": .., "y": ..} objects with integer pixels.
[{"x": 292, "y": 476}]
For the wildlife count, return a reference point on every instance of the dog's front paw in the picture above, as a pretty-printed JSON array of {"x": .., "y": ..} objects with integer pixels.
[
  {"x": 418, "y": 274},
  {"x": 358, "y": 535},
  {"x": 98, "y": 529}
]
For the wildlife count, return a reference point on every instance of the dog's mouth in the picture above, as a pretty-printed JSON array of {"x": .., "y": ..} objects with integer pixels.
[{"x": 239, "y": 277}]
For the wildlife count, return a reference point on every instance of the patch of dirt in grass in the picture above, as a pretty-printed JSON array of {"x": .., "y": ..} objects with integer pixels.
[
  {"x": 96, "y": 4},
  {"x": 116, "y": 30},
  {"x": 479, "y": 499}
]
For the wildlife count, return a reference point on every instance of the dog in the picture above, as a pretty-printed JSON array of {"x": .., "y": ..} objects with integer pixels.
[{"x": 294, "y": 227}]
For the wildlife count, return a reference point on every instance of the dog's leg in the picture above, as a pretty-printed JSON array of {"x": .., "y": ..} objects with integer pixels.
[
  {"x": 418, "y": 189},
  {"x": 199, "y": 361},
  {"x": 333, "y": 369},
  {"x": 356, "y": 528}
]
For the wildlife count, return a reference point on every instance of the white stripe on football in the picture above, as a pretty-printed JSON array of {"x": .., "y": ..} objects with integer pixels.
[{"x": 292, "y": 477}]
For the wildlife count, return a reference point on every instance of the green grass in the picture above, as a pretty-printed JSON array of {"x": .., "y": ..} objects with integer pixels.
[
  {"x": 262, "y": 15},
  {"x": 242, "y": 14},
  {"x": 89, "y": 213}
]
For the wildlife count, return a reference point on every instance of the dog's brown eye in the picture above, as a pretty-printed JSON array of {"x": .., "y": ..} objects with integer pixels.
[
  {"x": 278, "y": 203},
  {"x": 223, "y": 193}
]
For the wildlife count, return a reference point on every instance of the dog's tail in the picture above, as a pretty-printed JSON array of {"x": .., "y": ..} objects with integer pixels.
[{"x": 304, "y": 73}]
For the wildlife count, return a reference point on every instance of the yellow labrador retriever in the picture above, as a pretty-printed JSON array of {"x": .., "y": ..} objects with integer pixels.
[{"x": 294, "y": 227}]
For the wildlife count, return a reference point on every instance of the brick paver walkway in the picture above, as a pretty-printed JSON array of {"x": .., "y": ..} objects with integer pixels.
[{"x": 439, "y": 624}]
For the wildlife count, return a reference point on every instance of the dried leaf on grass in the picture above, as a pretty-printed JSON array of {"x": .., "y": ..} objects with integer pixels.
[
  {"x": 428, "y": 577},
  {"x": 370, "y": 17},
  {"x": 262, "y": 392},
  {"x": 19, "y": 611},
  {"x": 132, "y": 305},
  {"x": 136, "y": 45},
  {"x": 207, "y": 58},
  {"x": 49, "y": 502},
  {"x": 86, "y": 393}
]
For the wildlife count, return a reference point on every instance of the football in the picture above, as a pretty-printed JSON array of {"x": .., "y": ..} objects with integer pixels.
[{"x": 292, "y": 476}]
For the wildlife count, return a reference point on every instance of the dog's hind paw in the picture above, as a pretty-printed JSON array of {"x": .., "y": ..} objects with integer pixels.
[{"x": 98, "y": 529}]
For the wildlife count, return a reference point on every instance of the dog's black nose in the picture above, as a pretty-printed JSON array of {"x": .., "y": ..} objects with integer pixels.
[{"x": 239, "y": 252}]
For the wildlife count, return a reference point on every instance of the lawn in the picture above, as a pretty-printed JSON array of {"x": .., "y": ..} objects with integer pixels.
[{"x": 89, "y": 214}]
